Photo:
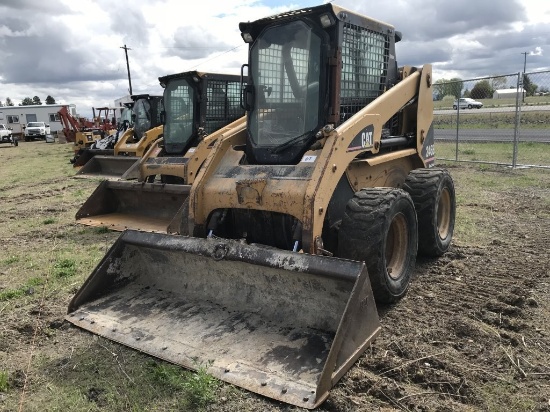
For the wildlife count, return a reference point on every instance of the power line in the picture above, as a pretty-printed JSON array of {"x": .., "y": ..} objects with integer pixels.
[{"x": 215, "y": 57}]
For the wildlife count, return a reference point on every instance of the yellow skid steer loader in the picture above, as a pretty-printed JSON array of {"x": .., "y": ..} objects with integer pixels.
[
  {"x": 297, "y": 224},
  {"x": 121, "y": 152},
  {"x": 199, "y": 109},
  {"x": 105, "y": 145}
]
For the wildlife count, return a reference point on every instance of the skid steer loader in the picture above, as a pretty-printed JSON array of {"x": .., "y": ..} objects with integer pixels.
[
  {"x": 105, "y": 146},
  {"x": 199, "y": 109},
  {"x": 104, "y": 124},
  {"x": 132, "y": 145},
  {"x": 297, "y": 223}
]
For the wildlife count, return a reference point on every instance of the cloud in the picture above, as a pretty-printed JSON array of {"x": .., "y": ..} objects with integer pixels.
[
  {"x": 20, "y": 7},
  {"x": 73, "y": 50},
  {"x": 429, "y": 20},
  {"x": 196, "y": 42}
]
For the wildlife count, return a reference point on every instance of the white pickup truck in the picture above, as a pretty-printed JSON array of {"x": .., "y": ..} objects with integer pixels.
[
  {"x": 6, "y": 136},
  {"x": 36, "y": 129}
]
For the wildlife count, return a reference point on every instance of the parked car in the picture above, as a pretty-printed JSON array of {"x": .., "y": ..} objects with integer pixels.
[
  {"x": 467, "y": 103},
  {"x": 6, "y": 135},
  {"x": 36, "y": 129}
]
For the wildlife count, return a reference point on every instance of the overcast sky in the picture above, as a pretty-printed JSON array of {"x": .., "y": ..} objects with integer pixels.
[{"x": 72, "y": 51}]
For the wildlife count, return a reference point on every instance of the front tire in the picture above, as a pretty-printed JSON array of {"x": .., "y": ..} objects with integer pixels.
[
  {"x": 379, "y": 227},
  {"x": 433, "y": 194}
]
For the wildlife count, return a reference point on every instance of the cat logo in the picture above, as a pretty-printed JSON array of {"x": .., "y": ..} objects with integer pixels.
[{"x": 363, "y": 140}]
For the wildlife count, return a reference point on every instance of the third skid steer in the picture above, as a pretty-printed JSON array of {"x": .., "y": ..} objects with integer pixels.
[
  {"x": 297, "y": 224},
  {"x": 199, "y": 108},
  {"x": 131, "y": 146},
  {"x": 105, "y": 145}
]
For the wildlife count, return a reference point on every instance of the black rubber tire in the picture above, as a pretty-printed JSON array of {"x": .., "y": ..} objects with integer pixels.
[
  {"x": 376, "y": 224},
  {"x": 469, "y": 106},
  {"x": 454, "y": 107},
  {"x": 433, "y": 194}
]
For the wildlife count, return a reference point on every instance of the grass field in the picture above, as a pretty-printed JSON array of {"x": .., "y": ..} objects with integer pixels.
[
  {"x": 475, "y": 120},
  {"x": 528, "y": 153}
]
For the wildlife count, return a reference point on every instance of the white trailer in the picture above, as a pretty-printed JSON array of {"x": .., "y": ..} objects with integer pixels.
[{"x": 17, "y": 117}]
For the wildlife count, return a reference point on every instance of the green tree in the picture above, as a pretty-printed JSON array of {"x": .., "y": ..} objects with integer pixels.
[
  {"x": 36, "y": 100},
  {"x": 529, "y": 86},
  {"x": 27, "y": 101},
  {"x": 482, "y": 90},
  {"x": 9, "y": 102},
  {"x": 452, "y": 87},
  {"x": 50, "y": 100}
]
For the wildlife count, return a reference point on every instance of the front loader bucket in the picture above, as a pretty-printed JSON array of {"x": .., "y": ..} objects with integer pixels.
[
  {"x": 282, "y": 324},
  {"x": 110, "y": 167},
  {"x": 121, "y": 205},
  {"x": 86, "y": 154}
]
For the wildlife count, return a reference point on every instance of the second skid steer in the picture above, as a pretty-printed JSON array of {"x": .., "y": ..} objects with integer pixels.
[
  {"x": 296, "y": 224},
  {"x": 199, "y": 109},
  {"x": 131, "y": 145}
]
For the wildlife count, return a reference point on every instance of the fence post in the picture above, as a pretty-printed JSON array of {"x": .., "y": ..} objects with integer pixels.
[
  {"x": 457, "y": 126},
  {"x": 517, "y": 124}
]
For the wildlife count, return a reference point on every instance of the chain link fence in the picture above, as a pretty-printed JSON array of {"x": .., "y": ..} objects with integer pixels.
[{"x": 500, "y": 119}]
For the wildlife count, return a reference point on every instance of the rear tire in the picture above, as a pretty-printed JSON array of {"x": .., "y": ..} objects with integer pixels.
[
  {"x": 433, "y": 194},
  {"x": 379, "y": 227}
]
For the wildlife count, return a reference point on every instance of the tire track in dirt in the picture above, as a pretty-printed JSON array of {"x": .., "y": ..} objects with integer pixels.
[{"x": 469, "y": 328}]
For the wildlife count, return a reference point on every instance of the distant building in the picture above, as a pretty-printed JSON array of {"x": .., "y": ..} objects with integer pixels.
[
  {"x": 17, "y": 117},
  {"x": 508, "y": 93},
  {"x": 125, "y": 99}
]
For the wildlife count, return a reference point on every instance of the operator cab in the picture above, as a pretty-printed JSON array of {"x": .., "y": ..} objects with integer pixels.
[
  {"x": 307, "y": 69},
  {"x": 197, "y": 104}
]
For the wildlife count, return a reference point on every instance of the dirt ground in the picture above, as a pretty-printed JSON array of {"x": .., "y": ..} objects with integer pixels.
[{"x": 472, "y": 334}]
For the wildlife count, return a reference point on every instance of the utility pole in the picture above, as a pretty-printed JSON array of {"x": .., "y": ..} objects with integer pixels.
[
  {"x": 523, "y": 77},
  {"x": 128, "y": 67}
]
